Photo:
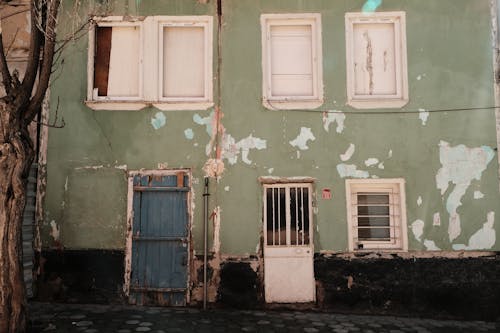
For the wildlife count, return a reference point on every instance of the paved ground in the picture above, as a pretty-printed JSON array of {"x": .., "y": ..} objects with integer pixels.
[{"x": 127, "y": 319}]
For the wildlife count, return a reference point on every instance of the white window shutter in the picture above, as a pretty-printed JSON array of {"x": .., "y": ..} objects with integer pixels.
[
  {"x": 124, "y": 62},
  {"x": 183, "y": 62},
  {"x": 291, "y": 60}
]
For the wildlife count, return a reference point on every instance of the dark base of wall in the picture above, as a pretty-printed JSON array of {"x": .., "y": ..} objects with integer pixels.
[
  {"x": 433, "y": 287},
  {"x": 238, "y": 286},
  {"x": 81, "y": 276}
]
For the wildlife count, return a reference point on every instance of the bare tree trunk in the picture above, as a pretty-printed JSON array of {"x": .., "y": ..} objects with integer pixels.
[
  {"x": 20, "y": 105},
  {"x": 16, "y": 157}
]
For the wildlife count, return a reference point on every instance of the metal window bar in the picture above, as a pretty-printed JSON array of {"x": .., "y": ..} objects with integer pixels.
[
  {"x": 274, "y": 216},
  {"x": 393, "y": 217},
  {"x": 302, "y": 212},
  {"x": 296, "y": 216},
  {"x": 281, "y": 197}
]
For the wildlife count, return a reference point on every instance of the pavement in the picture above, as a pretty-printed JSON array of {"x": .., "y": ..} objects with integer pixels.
[{"x": 91, "y": 318}]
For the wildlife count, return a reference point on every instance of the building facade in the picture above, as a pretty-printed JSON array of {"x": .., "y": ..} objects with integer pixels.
[{"x": 343, "y": 154}]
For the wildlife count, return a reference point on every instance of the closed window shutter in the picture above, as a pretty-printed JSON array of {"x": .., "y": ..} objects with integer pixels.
[
  {"x": 374, "y": 59},
  {"x": 291, "y": 60},
  {"x": 183, "y": 62}
]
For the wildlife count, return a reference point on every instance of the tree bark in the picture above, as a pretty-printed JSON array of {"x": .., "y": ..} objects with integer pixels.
[
  {"x": 16, "y": 157},
  {"x": 17, "y": 109}
]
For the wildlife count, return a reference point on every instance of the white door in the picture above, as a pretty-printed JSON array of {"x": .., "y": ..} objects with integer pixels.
[{"x": 288, "y": 245}]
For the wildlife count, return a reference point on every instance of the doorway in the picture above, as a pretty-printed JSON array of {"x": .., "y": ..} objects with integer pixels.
[
  {"x": 158, "y": 240},
  {"x": 288, "y": 243}
]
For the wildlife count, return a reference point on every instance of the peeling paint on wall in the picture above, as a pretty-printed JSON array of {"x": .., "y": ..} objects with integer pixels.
[
  {"x": 301, "y": 140},
  {"x": 270, "y": 170},
  {"x": 371, "y": 161},
  {"x": 417, "y": 227},
  {"x": 210, "y": 127},
  {"x": 430, "y": 245},
  {"x": 216, "y": 227},
  {"x": 213, "y": 168},
  {"x": 54, "y": 230},
  {"x": 460, "y": 165},
  {"x": 423, "y": 115},
  {"x": 371, "y": 6},
  {"x": 381, "y": 166},
  {"x": 348, "y": 153},
  {"x": 188, "y": 133},
  {"x": 419, "y": 201},
  {"x": 90, "y": 167},
  {"x": 332, "y": 117},
  {"x": 207, "y": 121},
  {"x": 478, "y": 195},
  {"x": 231, "y": 150},
  {"x": 436, "y": 219},
  {"x": 351, "y": 170},
  {"x": 226, "y": 188},
  {"x": 483, "y": 239},
  {"x": 159, "y": 120}
]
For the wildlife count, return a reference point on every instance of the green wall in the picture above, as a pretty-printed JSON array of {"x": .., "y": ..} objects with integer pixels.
[{"x": 449, "y": 67}]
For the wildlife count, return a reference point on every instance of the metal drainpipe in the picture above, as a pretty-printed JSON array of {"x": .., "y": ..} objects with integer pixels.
[{"x": 206, "y": 194}]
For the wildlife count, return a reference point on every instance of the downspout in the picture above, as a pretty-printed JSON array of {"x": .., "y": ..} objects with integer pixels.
[
  {"x": 495, "y": 41},
  {"x": 206, "y": 194},
  {"x": 218, "y": 153}
]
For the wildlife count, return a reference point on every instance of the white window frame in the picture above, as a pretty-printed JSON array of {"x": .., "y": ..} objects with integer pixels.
[
  {"x": 206, "y": 22},
  {"x": 393, "y": 187},
  {"x": 398, "y": 100},
  {"x": 113, "y": 21},
  {"x": 287, "y": 187},
  {"x": 151, "y": 38},
  {"x": 292, "y": 102}
]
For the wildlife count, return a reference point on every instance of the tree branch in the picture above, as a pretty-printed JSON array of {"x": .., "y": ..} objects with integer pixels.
[
  {"x": 34, "y": 54},
  {"x": 4, "y": 69},
  {"x": 48, "y": 57}
]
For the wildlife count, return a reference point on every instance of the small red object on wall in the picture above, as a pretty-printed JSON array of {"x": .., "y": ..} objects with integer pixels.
[{"x": 326, "y": 194}]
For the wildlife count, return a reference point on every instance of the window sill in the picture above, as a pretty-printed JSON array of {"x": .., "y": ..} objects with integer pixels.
[
  {"x": 377, "y": 103},
  {"x": 292, "y": 105},
  {"x": 139, "y": 105}
]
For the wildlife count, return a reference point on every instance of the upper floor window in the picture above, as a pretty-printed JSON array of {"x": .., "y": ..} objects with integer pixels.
[
  {"x": 376, "y": 60},
  {"x": 164, "y": 61},
  {"x": 291, "y": 60}
]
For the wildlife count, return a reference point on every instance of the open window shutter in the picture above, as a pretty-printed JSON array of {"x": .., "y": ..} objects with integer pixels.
[{"x": 124, "y": 62}]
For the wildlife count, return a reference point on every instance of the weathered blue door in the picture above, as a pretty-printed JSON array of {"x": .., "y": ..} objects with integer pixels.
[{"x": 159, "y": 240}]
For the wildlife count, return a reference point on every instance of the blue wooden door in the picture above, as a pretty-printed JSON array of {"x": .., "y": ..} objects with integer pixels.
[{"x": 160, "y": 240}]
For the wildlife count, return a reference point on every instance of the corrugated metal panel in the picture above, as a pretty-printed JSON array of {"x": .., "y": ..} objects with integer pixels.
[{"x": 28, "y": 230}]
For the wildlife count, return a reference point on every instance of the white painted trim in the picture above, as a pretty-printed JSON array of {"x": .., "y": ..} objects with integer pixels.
[
  {"x": 292, "y": 102},
  {"x": 130, "y": 217},
  {"x": 113, "y": 21},
  {"x": 116, "y": 105},
  {"x": 150, "y": 89},
  {"x": 206, "y": 22},
  {"x": 369, "y": 185},
  {"x": 397, "y": 100},
  {"x": 285, "y": 180},
  {"x": 171, "y": 106}
]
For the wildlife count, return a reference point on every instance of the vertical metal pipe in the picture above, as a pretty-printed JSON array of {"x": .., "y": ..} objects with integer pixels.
[{"x": 206, "y": 194}]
